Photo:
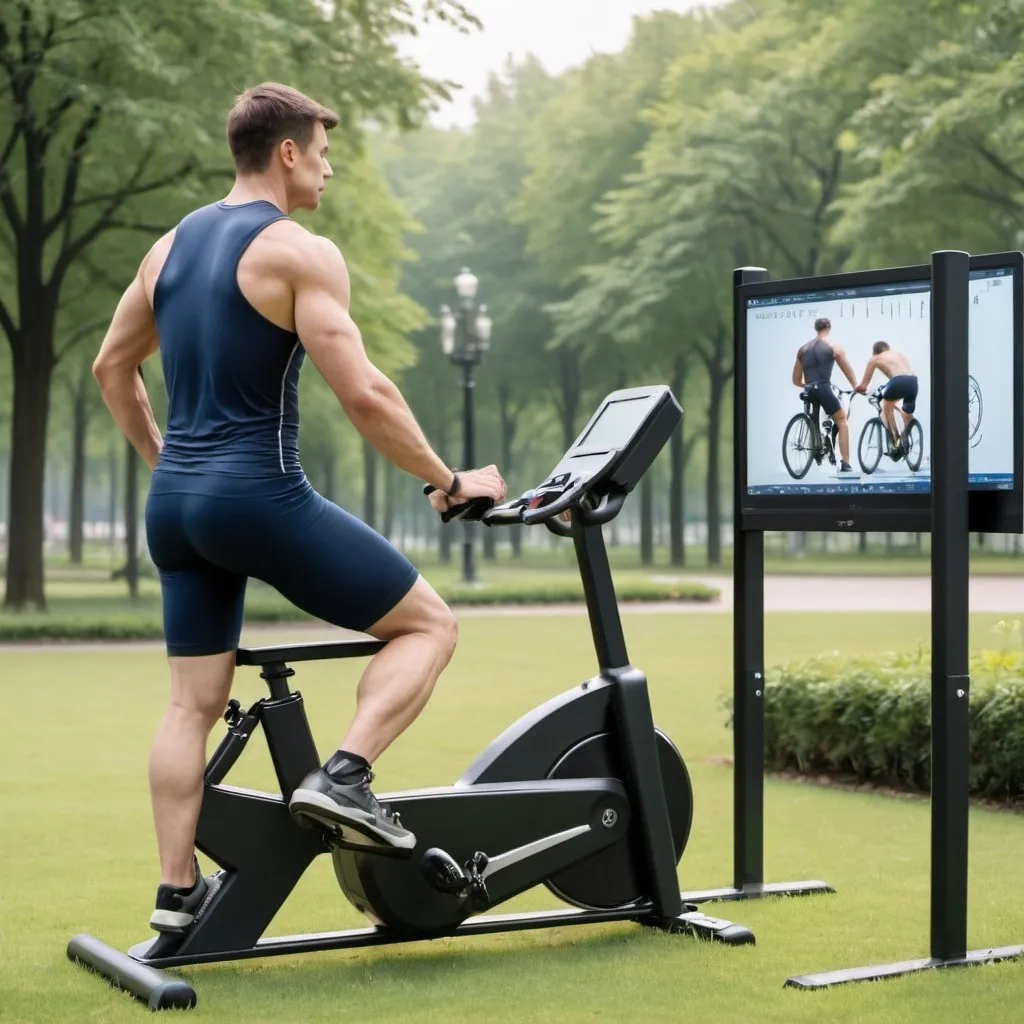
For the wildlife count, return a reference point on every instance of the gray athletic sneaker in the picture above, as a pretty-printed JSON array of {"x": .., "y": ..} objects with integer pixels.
[
  {"x": 350, "y": 813},
  {"x": 177, "y": 909}
]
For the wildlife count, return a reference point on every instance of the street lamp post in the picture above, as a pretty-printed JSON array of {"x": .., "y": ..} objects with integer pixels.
[{"x": 465, "y": 336}]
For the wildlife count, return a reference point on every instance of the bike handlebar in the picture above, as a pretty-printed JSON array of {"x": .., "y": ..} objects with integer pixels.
[{"x": 519, "y": 510}]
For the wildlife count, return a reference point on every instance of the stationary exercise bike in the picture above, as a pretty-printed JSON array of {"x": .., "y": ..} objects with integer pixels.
[{"x": 582, "y": 795}]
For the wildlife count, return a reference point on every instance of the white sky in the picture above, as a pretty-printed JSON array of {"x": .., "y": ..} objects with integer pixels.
[{"x": 561, "y": 33}]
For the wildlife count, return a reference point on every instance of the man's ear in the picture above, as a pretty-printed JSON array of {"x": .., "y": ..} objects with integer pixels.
[{"x": 289, "y": 152}]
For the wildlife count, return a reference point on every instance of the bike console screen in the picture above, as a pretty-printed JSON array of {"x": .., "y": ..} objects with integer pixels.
[
  {"x": 606, "y": 461},
  {"x": 838, "y": 394}
]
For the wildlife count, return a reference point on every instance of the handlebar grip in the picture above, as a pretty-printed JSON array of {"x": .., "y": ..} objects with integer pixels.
[{"x": 471, "y": 510}]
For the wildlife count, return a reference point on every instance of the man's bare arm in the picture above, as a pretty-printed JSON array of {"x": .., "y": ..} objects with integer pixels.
[
  {"x": 869, "y": 372},
  {"x": 130, "y": 340},
  {"x": 798, "y": 373},
  {"x": 335, "y": 346},
  {"x": 844, "y": 364}
]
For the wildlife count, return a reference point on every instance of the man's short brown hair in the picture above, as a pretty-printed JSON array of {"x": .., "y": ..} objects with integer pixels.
[
  {"x": 823, "y": 324},
  {"x": 265, "y": 116},
  {"x": 879, "y": 347}
]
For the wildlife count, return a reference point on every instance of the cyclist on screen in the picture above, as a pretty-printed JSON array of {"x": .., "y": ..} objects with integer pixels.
[
  {"x": 902, "y": 385},
  {"x": 813, "y": 373}
]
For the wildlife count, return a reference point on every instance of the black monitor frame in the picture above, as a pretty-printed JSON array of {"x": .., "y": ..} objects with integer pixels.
[{"x": 991, "y": 511}]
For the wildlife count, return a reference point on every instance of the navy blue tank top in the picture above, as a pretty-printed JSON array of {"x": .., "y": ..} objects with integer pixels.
[
  {"x": 817, "y": 360},
  {"x": 232, "y": 376}
]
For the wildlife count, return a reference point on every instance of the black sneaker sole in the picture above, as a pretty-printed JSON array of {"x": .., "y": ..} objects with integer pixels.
[
  {"x": 353, "y": 831},
  {"x": 169, "y": 922}
]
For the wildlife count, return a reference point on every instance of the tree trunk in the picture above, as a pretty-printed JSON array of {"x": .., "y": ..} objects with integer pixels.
[
  {"x": 677, "y": 477},
  {"x": 112, "y": 514},
  {"x": 33, "y": 366},
  {"x": 569, "y": 376},
  {"x": 490, "y": 545},
  {"x": 369, "y": 484},
  {"x": 713, "y": 498},
  {"x": 509, "y": 417},
  {"x": 131, "y": 520},
  {"x": 863, "y": 543},
  {"x": 647, "y": 519},
  {"x": 76, "y": 512},
  {"x": 713, "y": 353}
]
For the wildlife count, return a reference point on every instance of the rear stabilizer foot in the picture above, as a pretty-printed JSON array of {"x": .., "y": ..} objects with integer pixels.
[{"x": 157, "y": 989}]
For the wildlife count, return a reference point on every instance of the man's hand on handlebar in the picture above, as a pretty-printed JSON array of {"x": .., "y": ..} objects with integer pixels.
[{"x": 473, "y": 483}]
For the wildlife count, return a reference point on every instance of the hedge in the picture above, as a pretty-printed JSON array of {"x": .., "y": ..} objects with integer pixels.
[
  {"x": 868, "y": 719},
  {"x": 144, "y": 621}
]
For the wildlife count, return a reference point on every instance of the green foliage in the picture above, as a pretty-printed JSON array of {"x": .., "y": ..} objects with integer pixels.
[{"x": 868, "y": 718}]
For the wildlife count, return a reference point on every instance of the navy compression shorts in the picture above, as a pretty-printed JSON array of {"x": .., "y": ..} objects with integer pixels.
[
  {"x": 208, "y": 534},
  {"x": 822, "y": 393},
  {"x": 902, "y": 386}
]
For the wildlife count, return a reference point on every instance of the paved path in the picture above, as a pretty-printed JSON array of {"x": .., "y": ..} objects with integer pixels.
[
  {"x": 1003, "y": 595},
  {"x": 869, "y": 593}
]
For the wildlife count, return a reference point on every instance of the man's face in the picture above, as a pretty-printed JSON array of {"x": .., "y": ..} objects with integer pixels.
[{"x": 309, "y": 171}]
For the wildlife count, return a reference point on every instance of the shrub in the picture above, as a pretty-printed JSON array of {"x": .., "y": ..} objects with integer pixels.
[{"x": 869, "y": 719}]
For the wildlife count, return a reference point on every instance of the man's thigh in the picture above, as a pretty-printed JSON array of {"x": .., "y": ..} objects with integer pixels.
[
  {"x": 202, "y": 608},
  {"x": 335, "y": 567},
  {"x": 202, "y": 602}
]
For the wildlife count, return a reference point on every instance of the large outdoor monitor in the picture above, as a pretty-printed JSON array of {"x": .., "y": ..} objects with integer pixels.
[{"x": 877, "y": 327}]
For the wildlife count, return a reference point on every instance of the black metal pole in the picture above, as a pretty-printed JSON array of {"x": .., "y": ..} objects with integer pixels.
[
  {"x": 468, "y": 462},
  {"x": 748, "y": 650},
  {"x": 950, "y": 604},
  {"x": 599, "y": 590}
]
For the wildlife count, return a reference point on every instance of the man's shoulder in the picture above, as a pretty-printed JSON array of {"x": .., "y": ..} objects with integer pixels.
[
  {"x": 154, "y": 260},
  {"x": 300, "y": 248}
]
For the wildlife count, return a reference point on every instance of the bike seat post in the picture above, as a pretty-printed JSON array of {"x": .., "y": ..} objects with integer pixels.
[
  {"x": 292, "y": 748},
  {"x": 276, "y": 674}
]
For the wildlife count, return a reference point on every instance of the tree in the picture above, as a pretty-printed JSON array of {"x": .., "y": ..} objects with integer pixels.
[
  {"x": 108, "y": 116},
  {"x": 81, "y": 392},
  {"x": 938, "y": 140}
]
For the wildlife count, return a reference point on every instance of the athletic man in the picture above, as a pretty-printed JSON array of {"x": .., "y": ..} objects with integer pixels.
[
  {"x": 813, "y": 373},
  {"x": 234, "y": 298},
  {"x": 902, "y": 386}
]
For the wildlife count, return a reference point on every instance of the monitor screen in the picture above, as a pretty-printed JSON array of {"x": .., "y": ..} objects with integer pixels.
[
  {"x": 617, "y": 423},
  {"x": 808, "y": 353},
  {"x": 990, "y": 386}
]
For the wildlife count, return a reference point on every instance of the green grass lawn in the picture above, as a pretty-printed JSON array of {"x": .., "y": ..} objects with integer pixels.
[{"x": 77, "y": 851}]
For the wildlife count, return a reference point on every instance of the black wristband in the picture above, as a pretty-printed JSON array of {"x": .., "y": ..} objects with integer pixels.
[{"x": 453, "y": 488}]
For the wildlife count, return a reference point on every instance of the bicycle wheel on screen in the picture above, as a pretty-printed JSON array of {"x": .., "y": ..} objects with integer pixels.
[
  {"x": 798, "y": 445},
  {"x": 974, "y": 408},
  {"x": 869, "y": 448},
  {"x": 913, "y": 440}
]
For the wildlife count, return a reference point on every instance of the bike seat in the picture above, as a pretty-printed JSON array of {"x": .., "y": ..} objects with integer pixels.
[
  {"x": 328, "y": 649},
  {"x": 804, "y": 396}
]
